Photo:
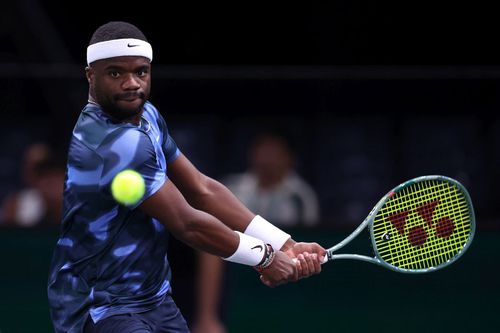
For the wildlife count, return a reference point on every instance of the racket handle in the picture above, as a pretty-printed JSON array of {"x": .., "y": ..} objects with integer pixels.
[{"x": 325, "y": 259}]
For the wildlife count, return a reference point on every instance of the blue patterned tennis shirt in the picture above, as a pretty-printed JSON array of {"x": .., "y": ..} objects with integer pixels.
[{"x": 110, "y": 259}]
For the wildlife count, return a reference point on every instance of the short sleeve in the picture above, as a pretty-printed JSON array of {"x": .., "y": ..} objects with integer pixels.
[
  {"x": 169, "y": 146},
  {"x": 170, "y": 149}
]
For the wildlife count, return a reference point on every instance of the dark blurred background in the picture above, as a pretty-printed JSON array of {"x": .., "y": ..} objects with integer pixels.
[{"x": 372, "y": 93}]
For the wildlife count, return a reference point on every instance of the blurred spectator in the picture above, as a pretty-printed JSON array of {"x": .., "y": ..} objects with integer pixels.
[
  {"x": 271, "y": 187},
  {"x": 39, "y": 203}
]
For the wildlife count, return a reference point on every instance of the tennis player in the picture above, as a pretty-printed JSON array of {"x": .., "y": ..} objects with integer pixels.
[{"x": 110, "y": 271}]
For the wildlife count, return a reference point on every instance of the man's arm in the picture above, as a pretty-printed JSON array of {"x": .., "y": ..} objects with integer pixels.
[
  {"x": 192, "y": 226},
  {"x": 204, "y": 232},
  {"x": 211, "y": 196},
  {"x": 208, "y": 195}
]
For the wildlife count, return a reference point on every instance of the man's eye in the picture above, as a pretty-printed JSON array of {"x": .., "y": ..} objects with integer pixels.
[
  {"x": 114, "y": 74},
  {"x": 142, "y": 73}
]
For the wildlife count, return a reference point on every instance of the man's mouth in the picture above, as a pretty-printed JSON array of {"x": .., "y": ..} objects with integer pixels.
[{"x": 130, "y": 97}]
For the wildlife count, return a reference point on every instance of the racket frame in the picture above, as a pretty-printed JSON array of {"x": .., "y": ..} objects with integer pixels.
[{"x": 368, "y": 222}]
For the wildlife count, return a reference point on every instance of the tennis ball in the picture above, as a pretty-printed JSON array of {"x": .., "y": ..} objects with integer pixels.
[{"x": 128, "y": 187}]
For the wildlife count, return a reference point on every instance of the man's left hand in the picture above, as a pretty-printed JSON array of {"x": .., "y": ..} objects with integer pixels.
[{"x": 308, "y": 258}]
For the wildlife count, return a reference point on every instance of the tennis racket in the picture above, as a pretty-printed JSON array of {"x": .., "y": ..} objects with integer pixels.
[{"x": 420, "y": 226}]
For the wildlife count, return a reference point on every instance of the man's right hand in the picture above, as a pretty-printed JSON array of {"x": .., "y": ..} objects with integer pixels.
[{"x": 282, "y": 270}]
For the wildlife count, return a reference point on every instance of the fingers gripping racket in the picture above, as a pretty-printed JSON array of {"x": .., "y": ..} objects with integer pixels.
[{"x": 420, "y": 226}]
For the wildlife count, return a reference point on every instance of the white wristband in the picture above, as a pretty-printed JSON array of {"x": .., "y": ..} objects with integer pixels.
[
  {"x": 270, "y": 234},
  {"x": 250, "y": 251}
]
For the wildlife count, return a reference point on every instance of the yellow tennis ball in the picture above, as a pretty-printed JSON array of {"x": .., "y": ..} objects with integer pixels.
[{"x": 128, "y": 187}]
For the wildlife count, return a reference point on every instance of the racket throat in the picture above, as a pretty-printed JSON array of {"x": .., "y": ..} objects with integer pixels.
[{"x": 331, "y": 256}]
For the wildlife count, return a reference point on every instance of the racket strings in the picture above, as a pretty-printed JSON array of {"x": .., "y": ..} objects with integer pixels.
[
  {"x": 434, "y": 255},
  {"x": 433, "y": 224}
]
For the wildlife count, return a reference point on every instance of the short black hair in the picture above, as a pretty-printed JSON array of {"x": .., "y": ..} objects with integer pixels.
[{"x": 116, "y": 30}]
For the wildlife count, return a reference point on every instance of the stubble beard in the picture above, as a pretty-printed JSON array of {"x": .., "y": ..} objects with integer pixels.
[{"x": 119, "y": 113}]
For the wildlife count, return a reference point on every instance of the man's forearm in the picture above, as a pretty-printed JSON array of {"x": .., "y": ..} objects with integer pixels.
[{"x": 223, "y": 204}]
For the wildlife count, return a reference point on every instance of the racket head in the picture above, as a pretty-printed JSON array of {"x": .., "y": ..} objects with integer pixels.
[{"x": 422, "y": 225}]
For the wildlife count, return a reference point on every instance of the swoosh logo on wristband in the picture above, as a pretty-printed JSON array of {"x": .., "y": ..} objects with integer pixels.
[{"x": 257, "y": 247}]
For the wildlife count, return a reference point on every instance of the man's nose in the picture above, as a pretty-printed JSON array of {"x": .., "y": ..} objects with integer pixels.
[{"x": 131, "y": 82}]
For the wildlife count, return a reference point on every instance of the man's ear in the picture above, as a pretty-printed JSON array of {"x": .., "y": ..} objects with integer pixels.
[{"x": 88, "y": 73}]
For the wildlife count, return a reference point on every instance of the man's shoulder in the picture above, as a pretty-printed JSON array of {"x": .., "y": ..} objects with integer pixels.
[
  {"x": 91, "y": 127},
  {"x": 94, "y": 128},
  {"x": 150, "y": 111}
]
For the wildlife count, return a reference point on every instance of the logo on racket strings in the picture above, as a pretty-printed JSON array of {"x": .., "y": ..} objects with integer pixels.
[{"x": 417, "y": 235}]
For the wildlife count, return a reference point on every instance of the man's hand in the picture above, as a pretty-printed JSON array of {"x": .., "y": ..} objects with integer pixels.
[
  {"x": 308, "y": 258},
  {"x": 281, "y": 271}
]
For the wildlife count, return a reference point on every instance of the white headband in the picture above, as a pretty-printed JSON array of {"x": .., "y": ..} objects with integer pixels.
[{"x": 119, "y": 48}]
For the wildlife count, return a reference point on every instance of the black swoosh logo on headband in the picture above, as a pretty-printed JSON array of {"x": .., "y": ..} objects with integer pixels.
[
  {"x": 258, "y": 247},
  {"x": 132, "y": 45}
]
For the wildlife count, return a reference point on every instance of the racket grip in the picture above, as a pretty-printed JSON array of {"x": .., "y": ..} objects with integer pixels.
[{"x": 325, "y": 259}]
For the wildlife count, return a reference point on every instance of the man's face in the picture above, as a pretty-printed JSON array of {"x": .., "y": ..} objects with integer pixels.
[{"x": 120, "y": 85}]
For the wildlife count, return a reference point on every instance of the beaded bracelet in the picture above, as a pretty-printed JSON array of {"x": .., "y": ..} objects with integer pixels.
[{"x": 267, "y": 260}]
